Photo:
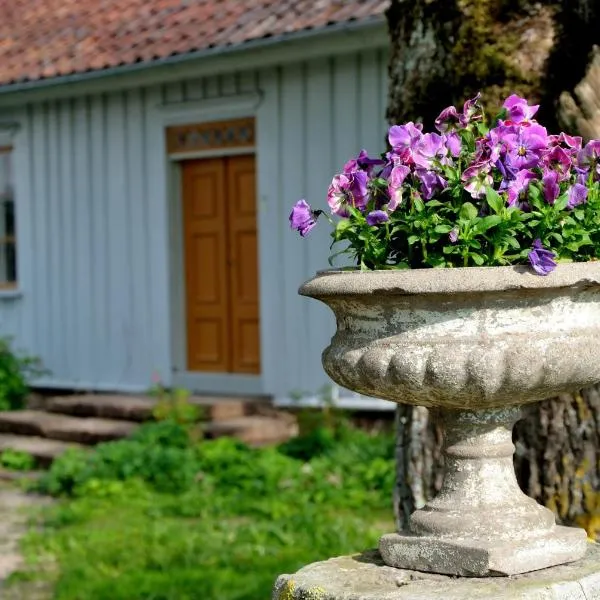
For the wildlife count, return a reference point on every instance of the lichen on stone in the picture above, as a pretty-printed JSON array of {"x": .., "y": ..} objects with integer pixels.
[{"x": 287, "y": 591}]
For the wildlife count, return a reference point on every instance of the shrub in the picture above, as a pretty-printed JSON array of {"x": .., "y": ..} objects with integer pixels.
[
  {"x": 16, "y": 460},
  {"x": 15, "y": 372}
]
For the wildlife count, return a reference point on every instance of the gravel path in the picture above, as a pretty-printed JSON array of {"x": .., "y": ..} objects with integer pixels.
[{"x": 14, "y": 516}]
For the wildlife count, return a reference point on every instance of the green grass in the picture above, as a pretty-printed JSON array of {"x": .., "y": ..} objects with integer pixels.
[{"x": 247, "y": 516}]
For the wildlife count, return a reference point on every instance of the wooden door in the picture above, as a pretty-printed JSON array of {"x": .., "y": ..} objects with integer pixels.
[{"x": 221, "y": 265}]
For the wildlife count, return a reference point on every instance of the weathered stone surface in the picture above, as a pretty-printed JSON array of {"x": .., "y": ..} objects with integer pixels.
[
  {"x": 474, "y": 344},
  {"x": 42, "y": 449},
  {"x": 366, "y": 577},
  {"x": 129, "y": 408},
  {"x": 63, "y": 427},
  {"x": 254, "y": 430},
  {"x": 480, "y": 337}
]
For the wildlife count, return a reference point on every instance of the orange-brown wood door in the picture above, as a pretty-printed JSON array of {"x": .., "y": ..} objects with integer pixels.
[{"x": 221, "y": 265}]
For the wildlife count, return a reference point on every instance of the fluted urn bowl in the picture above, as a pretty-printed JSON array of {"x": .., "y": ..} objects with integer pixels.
[{"x": 475, "y": 345}]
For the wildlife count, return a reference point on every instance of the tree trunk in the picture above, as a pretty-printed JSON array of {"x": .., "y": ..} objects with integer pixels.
[{"x": 442, "y": 52}]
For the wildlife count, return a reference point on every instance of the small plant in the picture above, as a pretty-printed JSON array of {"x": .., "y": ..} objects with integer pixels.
[
  {"x": 15, "y": 372},
  {"x": 470, "y": 194},
  {"x": 15, "y": 460},
  {"x": 173, "y": 404}
]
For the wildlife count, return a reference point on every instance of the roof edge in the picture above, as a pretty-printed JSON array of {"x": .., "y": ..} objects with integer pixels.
[{"x": 353, "y": 26}]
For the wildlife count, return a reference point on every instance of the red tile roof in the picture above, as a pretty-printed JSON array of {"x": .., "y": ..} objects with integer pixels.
[{"x": 48, "y": 38}]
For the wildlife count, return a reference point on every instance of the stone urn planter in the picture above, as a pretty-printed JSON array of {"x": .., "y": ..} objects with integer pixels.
[{"x": 474, "y": 345}]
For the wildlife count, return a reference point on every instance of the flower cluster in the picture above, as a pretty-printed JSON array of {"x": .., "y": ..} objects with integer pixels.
[{"x": 467, "y": 194}]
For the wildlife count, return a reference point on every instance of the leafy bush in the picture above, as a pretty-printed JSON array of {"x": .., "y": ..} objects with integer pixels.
[
  {"x": 159, "y": 454},
  {"x": 15, "y": 371},
  {"x": 16, "y": 461}
]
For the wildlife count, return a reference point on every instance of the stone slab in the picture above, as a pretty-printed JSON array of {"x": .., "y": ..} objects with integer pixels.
[
  {"x": 366, "y": 577},
  {"x": 42, "y": 449},
  {"x": 129, "y": 408},
  {"x": 63, "y": 427},
  {"x": 254, "y": 430},
  {"x": 484, "y": 557}
]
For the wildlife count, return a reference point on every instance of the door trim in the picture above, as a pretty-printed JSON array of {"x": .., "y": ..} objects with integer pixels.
[{"x": 217, "y": 383}]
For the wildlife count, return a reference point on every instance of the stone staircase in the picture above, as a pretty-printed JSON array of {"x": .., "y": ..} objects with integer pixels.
[{"x": 50, "y": 425}]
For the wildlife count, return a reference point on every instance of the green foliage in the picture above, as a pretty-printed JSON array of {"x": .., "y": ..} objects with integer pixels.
[
  {"x": 15, "y": 460},
  {"x": 151, "y": 518},
  {"x": 174, "y": 405},
  {"x": 159, "y": 454},
  {"x": 15, "y": 371}
]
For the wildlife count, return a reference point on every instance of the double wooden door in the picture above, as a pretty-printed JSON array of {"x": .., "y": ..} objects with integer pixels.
[{"x": 221, "y": 264}]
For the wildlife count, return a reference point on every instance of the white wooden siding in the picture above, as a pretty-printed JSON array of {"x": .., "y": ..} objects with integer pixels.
[{"x": 94, "y": 243}]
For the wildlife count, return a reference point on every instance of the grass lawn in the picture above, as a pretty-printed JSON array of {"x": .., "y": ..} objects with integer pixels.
[{"x": 245, "y": 517}]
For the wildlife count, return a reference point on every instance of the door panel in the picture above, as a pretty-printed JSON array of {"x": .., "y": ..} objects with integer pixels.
[
  {"x": 221, "y": 265},
  {"x": 205, "y": 265},
  {"x": 243, "y": 273}
]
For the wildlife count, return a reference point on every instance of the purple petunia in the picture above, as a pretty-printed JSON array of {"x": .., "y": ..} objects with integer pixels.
[
  {"x": 303, "y": 218},
  {"x": 347, "y": 189},
  {"x": 375, "y": 217},
  {"x": 518, "y": 187},
  {"x": 577, "y": 195},
  {"x": 550, "y": 186},
  {"x": 541, "y": 260},
  {"x": 396, "y": 179},
  {"x": 519, "y": 110}
]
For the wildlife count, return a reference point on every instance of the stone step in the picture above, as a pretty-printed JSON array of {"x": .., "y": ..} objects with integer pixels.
[
  {"x": 42, "y": 449},
  {"x": 139, "y": 408},
  {"x": 127, "y": 408},
  {"x": 64, "y": 427},
  {"x": 254, "y": 430}
]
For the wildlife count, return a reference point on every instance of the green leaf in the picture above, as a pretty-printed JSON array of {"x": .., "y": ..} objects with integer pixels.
[
  {"x": 467, "y": 211},
  {"x": 561, "y": 202},
  {"x": 443, "y": 228},
  {"x": 494, "y": 200},
  {"x": 487, "y": 223},
  {"x": 413, "y": 239},
  {"x": 418, "y": 204},
  {"x": 477, "y": 258}
]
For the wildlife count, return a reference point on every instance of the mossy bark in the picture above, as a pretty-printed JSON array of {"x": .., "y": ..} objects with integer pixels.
[{"x": 442, "y": 52}]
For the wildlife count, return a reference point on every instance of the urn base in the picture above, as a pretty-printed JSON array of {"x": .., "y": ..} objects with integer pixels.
[{"x": 483, "y": 558}]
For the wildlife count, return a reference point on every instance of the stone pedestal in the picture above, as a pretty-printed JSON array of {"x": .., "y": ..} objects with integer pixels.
[
  {"x": 366, "y": 577},
  {"x": 481, "y": 523}
]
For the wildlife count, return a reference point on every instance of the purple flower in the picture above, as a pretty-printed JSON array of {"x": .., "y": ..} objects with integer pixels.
[
  {"x": 569, "y": 142},
  {"x": 404, "y": 138},
  {"x": 589, "y": 157},
  {"x": 362, "y": 161},
  {"x": 453, "y": 143},
  {"x": 550, "y": 186},
  {"x": 453, "y": 235},
  {"x": 541, "y": 259},
  {"x": 429, "y": 148},
  {"x": 447, "y": 119},
  {"x": 303, "y": 218},
  {"x": 518, "y": 109},
  {"x": 558, "y": 159},
  {"x": 577, "y": 195},
  {"x": 431, "y": 183},
  {"x": 527, "y": 149},
  {"x": 347, "y": 189},
  {"x": 396, "y": 179},
  {"x": 471, "y": 111},
  {"x": 477, "y": 178},
  {"x": 518, "y": 187},
  {"x": 375, "y": 217}
]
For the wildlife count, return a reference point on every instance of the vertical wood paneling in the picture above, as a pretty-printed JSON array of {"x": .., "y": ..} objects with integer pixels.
[
  {"x": 137, "y": 185},
  {"x": 55, "y": 325},
  {"x": 84, "y": 275},
  {"x": 275, "y": 364},
  {"x": 157, "y": 241},
  {"x": 321, "y": 107},
  {"x": 100, "y": 234},
  {"x": 68, "y": 302},
  {"x": 292, "y": 186},
  {"x": 116, "y": 243},
  {"x": 94, "y": 220}
]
